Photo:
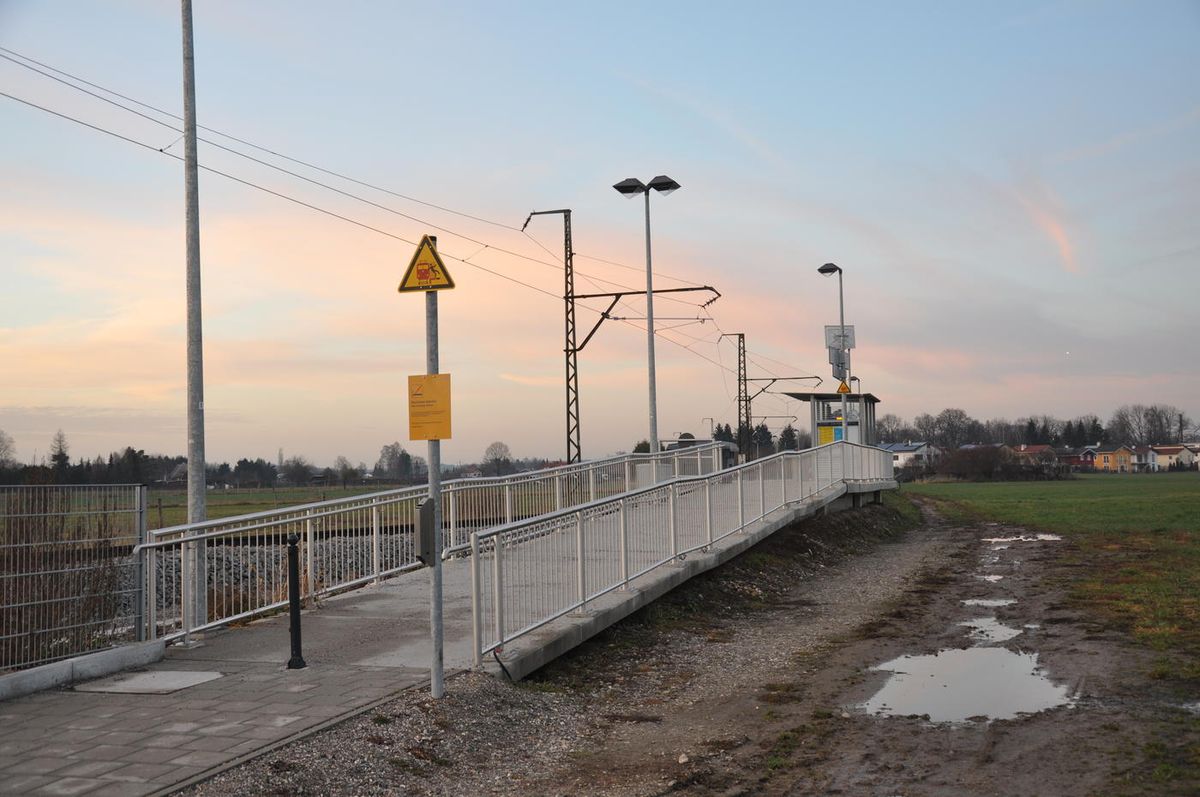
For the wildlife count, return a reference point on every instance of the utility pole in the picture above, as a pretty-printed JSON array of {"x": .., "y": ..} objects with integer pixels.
[
  {"x": 574, "y": 450},
  {"x": 197, "y": 511}
]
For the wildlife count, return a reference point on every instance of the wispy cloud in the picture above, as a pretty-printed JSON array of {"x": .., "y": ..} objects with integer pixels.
[
  {"x": 1046, "y": 211},
  {"x": 1144, "y": 133},
  {"x": 720, "y": 119}
]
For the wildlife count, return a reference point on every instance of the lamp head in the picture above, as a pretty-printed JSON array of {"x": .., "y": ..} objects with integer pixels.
[
  {"x": 829, "y": 268},
  {"x": 631, "y": 186},
  {"x": 663, "y": 184}
]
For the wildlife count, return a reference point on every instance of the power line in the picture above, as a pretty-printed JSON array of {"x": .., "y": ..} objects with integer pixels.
[
  {"x": 324, "y": 211},
  {"x": 9, "y": 57}
]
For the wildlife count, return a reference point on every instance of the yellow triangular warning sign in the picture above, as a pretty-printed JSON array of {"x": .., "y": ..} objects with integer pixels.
[
  {"x": 426, "y": 272},
  {"x": 843, "y": 387}
]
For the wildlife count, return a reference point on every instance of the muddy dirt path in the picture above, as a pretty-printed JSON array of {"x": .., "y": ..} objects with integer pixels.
[
  {"x": 1001, "y": 690},
  {"x": 764, "y": 678}
]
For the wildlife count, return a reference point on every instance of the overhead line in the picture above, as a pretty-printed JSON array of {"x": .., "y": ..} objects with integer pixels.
[
  {"x": 319, "y": 209},
  {"x": 306, "y": 164}
]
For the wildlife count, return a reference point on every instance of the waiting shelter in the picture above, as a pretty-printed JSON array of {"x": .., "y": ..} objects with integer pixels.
[{"x": 825, "y": 412}]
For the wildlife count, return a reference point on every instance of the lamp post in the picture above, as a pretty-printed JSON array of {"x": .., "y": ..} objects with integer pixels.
[
  {"x": 826, "y": 270},
  {"x": 629, "y": 188}
]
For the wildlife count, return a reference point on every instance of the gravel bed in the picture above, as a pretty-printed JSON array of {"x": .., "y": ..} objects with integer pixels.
[{"x": 692, "y": 649}]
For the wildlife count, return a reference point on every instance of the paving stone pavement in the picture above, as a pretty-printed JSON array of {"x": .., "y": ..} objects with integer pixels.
[{"x": 361, "y": 648}]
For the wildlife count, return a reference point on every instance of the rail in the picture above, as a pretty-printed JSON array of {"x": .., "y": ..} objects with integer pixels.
[
  {"x": 528, "y": 573},
  {"x": 208, "y": 574}
]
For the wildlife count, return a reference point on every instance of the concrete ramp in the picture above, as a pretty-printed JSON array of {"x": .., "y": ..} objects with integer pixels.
[{"x": 537, "y": 648}]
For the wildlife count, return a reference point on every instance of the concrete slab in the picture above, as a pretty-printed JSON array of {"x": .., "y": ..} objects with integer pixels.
[{"x": 160, "y": 682}]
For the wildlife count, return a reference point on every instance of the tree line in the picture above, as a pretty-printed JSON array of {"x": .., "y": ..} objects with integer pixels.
[
  {"x": 1130, "y": 424},
  {"x": 395, "y": 465}
]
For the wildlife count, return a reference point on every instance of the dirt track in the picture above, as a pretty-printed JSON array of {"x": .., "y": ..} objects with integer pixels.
[{"x": 751, "y": 681}]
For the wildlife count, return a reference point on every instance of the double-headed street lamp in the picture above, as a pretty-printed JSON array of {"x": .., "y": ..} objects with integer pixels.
[
  {"x": 826, "y": 270},
  {"x": 630, "y": 187}
]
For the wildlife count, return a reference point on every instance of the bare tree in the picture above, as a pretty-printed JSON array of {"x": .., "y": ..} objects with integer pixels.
[
  {"x": 8, "y": 452},
  {"x": 297, "y": 470},
  {"x": 497, "y": 459},
  {"x": 345, "y": 470}
]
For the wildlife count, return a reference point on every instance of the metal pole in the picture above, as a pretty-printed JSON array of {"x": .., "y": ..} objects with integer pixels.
[
  {"x": 296, "y": 662},
  {"x": 195, "y": 346},
  {"x": 436, "y": 687},
  {"x": 650, "y": 336},
  {"x": 842, "y": 323},
  {"x": 140, "y": 609}
]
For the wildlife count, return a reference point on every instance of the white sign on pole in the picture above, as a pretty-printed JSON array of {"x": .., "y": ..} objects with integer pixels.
[{"x": 833, "y": 336}]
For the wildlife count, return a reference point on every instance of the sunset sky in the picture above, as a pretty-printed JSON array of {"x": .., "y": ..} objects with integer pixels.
[{"x": 1012, "y": 189}]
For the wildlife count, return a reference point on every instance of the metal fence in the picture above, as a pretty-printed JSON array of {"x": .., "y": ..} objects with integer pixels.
[
  {"x": 527, "y": 573},
  {"x": 208, "y": 574},
  {"x": 69, "y": 580}
]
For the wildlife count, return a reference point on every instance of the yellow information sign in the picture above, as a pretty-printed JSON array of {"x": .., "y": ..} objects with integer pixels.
[
  {"x": 429, "y": 407},
  {"x": 426, "y": 272},
  {"x": 843, "y": 387},
  {"x": 826, "y": 435}
]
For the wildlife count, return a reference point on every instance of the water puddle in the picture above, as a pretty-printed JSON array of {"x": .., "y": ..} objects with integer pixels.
[
  {"x": 956, "y": 685},
  {"x": 1026, "y": 538},
  {"x": 1000, "y": 547},
  {"x": 989, "y": 630},
  {"x": 992, "y": 579},
  {"x": 989, "y": 603}
]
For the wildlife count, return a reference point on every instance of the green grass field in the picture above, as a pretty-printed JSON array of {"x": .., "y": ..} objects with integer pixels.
[
  {"x": 169, "y": 507},
  {"x": 1138, "y": 537}
]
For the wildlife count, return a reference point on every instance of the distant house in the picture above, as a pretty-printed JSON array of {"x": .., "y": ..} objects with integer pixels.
[
  {"x": 1082, "y": 458},
  {"x": 917, "y": 454},
  {"x": 1174, "y": 456},
  {"x": 1114, "y": 459},
  {"x": 1145, "y": 459},
  {"x": 1033, "y": 453}
]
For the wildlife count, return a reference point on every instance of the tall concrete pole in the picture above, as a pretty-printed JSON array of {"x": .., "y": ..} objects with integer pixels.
[
  {"x": 846, "y": 349},
  {"x": 650, "y": 336},
  {"x": 195, "y": 347}
]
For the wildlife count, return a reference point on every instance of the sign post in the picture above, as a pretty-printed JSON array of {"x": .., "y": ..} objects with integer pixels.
[{"x": 429, "y": 420}]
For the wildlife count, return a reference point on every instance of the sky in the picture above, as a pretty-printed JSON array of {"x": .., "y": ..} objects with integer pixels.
[{"x": 1011, "y": 189}]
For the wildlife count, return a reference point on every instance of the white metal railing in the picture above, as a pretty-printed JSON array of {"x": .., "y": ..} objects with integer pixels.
[
  {"x": 527, "y": 573},
  {"x": 207, "y": 574}
]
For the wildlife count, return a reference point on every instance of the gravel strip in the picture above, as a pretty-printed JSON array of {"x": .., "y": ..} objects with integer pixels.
[{"x": 795, "y": 592}]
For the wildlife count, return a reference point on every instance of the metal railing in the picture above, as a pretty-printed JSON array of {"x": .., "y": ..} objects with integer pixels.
[
  {"x": 208, "y": 574},
  {"x": 70, "y": 582},
  {"x": 527, "y": 573}
]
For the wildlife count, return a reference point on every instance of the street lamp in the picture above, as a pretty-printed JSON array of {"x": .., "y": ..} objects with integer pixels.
[
  {"x": 631, "y": 187},
  {"x": 826, "y": 270}
]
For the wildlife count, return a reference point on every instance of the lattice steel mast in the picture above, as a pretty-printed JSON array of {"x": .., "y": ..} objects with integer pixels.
[{"x": 574, "y": 450}]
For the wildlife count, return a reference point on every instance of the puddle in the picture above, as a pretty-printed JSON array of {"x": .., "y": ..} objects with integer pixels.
[
  {"x": 992, "y": 579},
  {"x": 989, "y": 603},
  {"x": 1192, "y": 707},
  {"x": 1026, "y": 538},
  {"x": 1033, "y": 626},
  {"x": 989, "y": 630},
  {"x": 953, "y": 685},
  {"x": 1000, "y": 547}
]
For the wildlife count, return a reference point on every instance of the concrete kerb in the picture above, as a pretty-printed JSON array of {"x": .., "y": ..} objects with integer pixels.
[
  {"x": 80, "y": 668},
  {"x": 537, "y": 648}
]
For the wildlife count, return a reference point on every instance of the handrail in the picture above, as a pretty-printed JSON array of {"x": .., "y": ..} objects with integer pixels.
[
  {"x": 447, "y": 487},
  {"x": 565, "y": 558}
]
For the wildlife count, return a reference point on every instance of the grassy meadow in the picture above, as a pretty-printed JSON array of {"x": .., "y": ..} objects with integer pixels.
[
  {"x": 1137, "y": 537},
  {"x": 169, "y": 507}
]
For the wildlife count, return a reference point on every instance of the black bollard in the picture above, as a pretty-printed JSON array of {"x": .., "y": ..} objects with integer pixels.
[{"x": 296, "y": 662}]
